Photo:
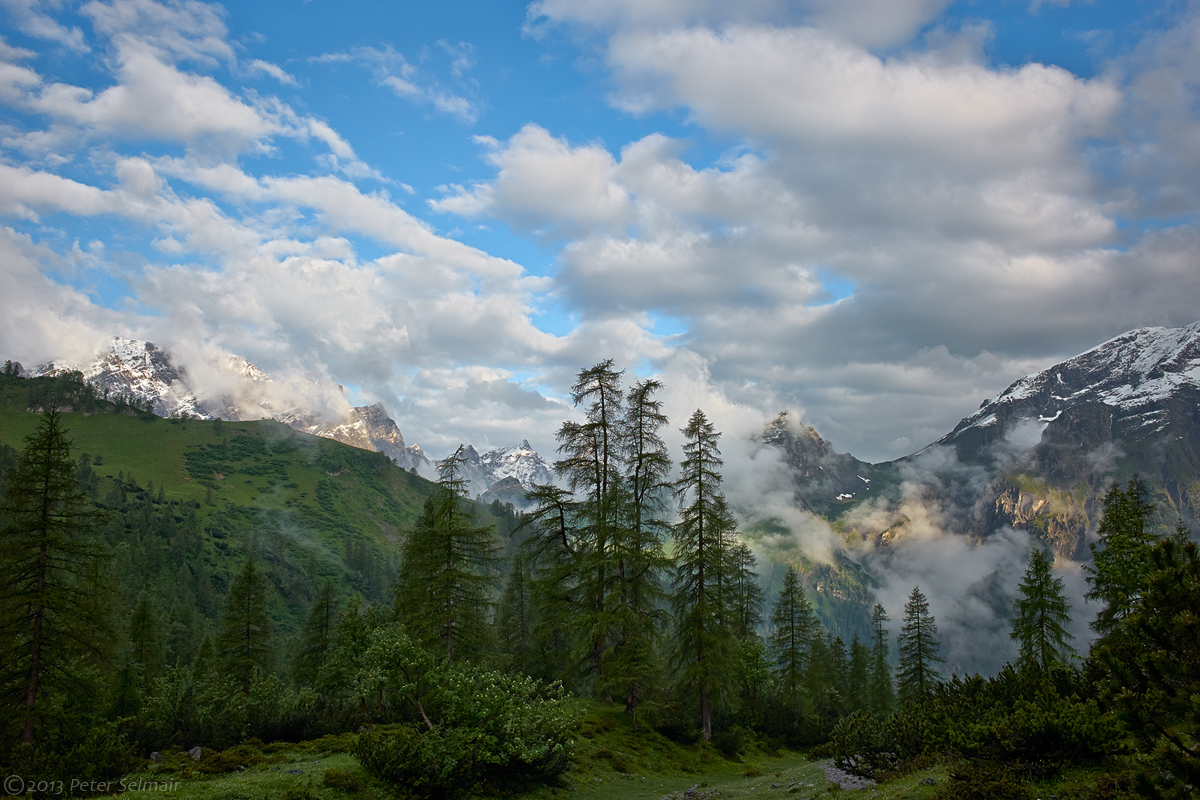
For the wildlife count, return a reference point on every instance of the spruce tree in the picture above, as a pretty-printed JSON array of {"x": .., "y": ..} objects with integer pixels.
[
  {"x": 794, "y": 626},
  {"x": 746, "y": 596},
  {"x": 52, "y": 613},
  {"x": 858, "y": 679},
  {"x": 1042, "y": 614},
  {"x": 882, "y": 693},
  {"x": 704, "y": 644},
  {"x": 918, "y": 649},
  {"x": 317, "y": 636},
  {"x": 144, "y": 641},
  {"x": 1153, "y": 668},
  {"x": 442, "y": 594},
  {"x": 514, "y": 617},
  {"x": 245, "y": 643},
  {"x": 1121, "y": 557}
]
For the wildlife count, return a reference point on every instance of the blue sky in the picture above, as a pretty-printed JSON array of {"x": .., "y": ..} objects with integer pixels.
[{"x": 872, "y": 213}]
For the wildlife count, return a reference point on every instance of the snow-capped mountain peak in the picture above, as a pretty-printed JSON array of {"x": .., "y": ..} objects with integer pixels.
[{"x": 1135, "y": 376}]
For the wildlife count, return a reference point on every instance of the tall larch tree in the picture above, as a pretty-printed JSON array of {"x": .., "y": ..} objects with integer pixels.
[
  {"x": 316, "y": 638},
  {"x": 52, "y": 612},
  {"x": 918, "y": 649},
  {"x": 1042, "y": 615},
  {"x": 704, "y": 643},
  {"x": 636, "y": 596},
  {"x": 591, "y": 465}
]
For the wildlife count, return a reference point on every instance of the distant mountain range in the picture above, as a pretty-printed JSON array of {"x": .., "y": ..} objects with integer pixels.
[
  {"x": 1040, "y": 455},
  {"x": 147, "y": 373}
]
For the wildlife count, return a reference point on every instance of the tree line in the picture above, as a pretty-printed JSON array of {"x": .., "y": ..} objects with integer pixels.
[{"x": 621, "y": 584}]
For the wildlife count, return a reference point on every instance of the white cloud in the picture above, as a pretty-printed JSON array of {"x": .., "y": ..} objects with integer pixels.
[
  {"x": 31, "y": 17},
  {"x": 393, "y": 71},
  {"x": 273, "y": 70},
  {"x": 546, "y": 186}
]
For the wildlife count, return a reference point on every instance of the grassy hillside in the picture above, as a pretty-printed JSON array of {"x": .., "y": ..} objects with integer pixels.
[{"x": 187, "y": 500}]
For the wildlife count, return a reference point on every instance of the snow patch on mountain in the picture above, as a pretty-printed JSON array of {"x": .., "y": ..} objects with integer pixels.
[{"x": 1129, "y": 372}]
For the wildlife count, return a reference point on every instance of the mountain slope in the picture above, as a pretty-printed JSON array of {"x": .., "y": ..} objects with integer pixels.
[
  {"x": 146, "y": 373},
  {"x": 1040, "y": 455}
]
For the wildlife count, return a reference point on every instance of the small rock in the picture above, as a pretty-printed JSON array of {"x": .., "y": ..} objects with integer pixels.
[
  {"x": 156, "y": 756},
  {"x": 240, "y": 768},
  {"x": 928, "y": 782},
  {"x": 776, "y": 785},
  {"x": 295, "y": 772},
  {"x": 195, "y": 753}
]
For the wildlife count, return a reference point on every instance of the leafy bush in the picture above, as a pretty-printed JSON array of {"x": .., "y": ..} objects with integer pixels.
[
  {"x": 341, "y": 779},
  {"x": 983, "y": 781},
  {"x": 488, "y": 726}
]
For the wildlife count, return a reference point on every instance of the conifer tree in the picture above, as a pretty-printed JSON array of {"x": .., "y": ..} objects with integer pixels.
[
  {"x": 52, "y": 617},
  {"x": 858, "y": 679},
  {"x": 918, "y": 649},
  {"x": 704, "y": 644},
  {"x": 635, "y": 600},
  {"x": 1181, "y": 534},
  {"x": 882, "y": 693},
  {"x": 442, "y": 594},
  {"x": 145, "y": 646},
  {"x": 1154, "y": 673},
  {"x": 591, "y": 464},
  {"x": 746, "y": 596},
  {"x": 1042, "y": 614},
  {"x": 551, "y": 545},
  {"x": 1121, "y": 557},
  {"x": 514, "y": 616},
  {"x": 245, "y": 643},
  {"x": 317, "y": 636},
  {"x": 794, "y": 626}
]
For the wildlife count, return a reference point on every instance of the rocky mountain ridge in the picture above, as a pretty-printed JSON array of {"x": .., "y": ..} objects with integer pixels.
[
  {"x": 1040, "y": 455},
  {"x": 142, "y": 371}
]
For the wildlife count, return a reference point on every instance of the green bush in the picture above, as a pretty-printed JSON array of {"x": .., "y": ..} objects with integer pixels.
[
  {"x": 341, "y": 779},
  {"x": 482, "y": 726}
]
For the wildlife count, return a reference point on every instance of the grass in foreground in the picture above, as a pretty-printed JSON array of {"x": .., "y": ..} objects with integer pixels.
[{"x": 612, "y": 762}]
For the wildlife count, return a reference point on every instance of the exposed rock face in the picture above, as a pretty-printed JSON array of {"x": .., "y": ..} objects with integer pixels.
[
  {"x": 1058, "y": 518},
  {"x": 824, "y": 480},
  {"x": 522, "y": 463},
  {"x": 138, "y": 370},
  {"x": 506, "y": 490}
]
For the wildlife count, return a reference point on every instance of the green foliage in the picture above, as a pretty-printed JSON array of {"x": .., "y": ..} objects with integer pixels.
[
  {"x": 245, "y": 642},
  {"x": 53, "y": 616},
  {"x": 1121, "y": 557},
  {"x": 794, "y": 627},
  {"x": 442, "y": 595},
  {"x": 317, "y": 637},
  {"x": 705, "y": 646},
  {"x": 482, "y": 726},
  {"x": 882, "y": 694},
  {"x": 1042, "y": 614},
  {"x": 918, "y": 649},
  {"x": 1153, "y": 672},
  {"x": 342, "y": 779},
  {"x": 81, "y": 762}
]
